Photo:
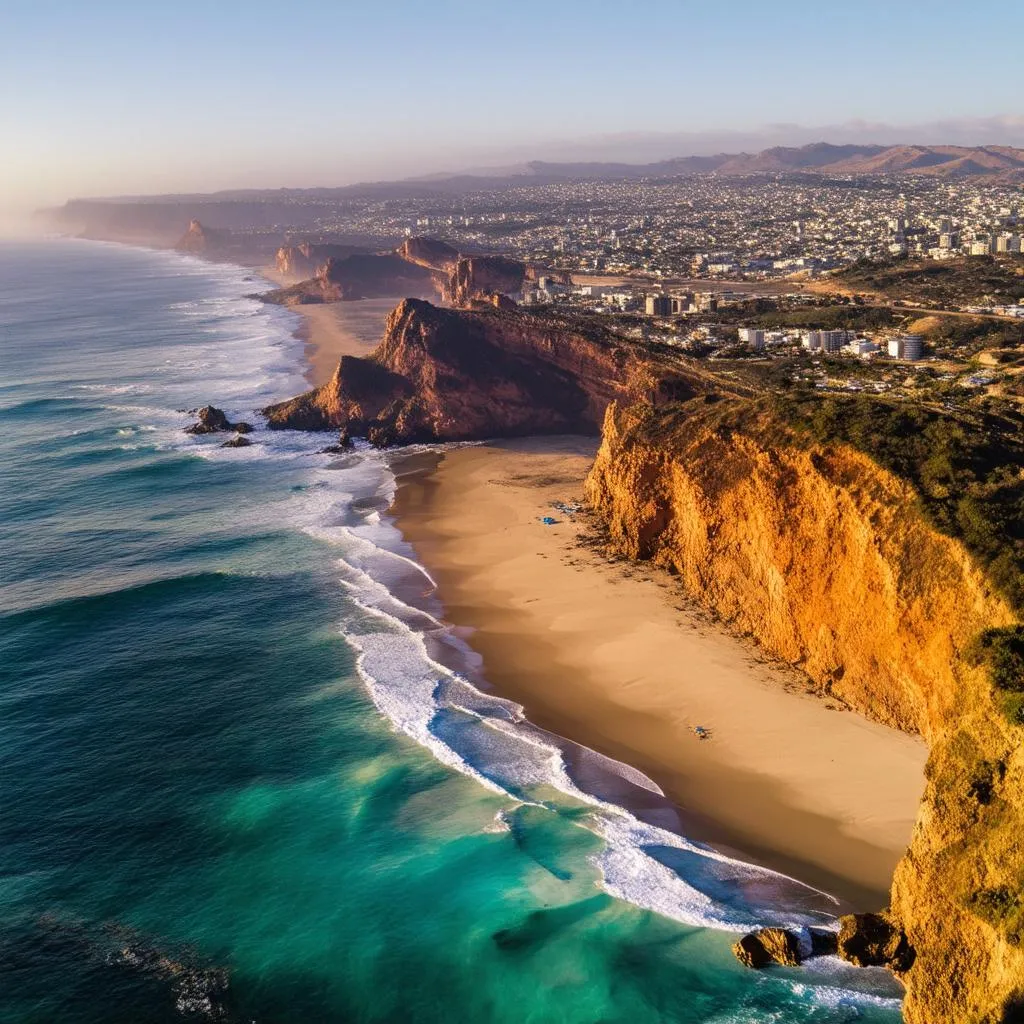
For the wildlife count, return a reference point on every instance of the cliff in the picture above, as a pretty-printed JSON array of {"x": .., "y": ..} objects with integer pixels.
[
  {"x": 200, "y": 240},
  {"x": 418, "y": 267},
  {"x": 838, "y": 565},
  {"x": 477, "y": 277},
  {"x": 301, "y": 261},
  {"x": 447, "y": 375},
  {"x": 357, "y": 276}
]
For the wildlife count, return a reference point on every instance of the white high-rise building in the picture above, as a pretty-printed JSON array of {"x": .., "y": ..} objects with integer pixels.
[
  {"x": 833, "y": 341},
  {"x": 906, "y": 346},
  {"x": 752, "y": 337}
]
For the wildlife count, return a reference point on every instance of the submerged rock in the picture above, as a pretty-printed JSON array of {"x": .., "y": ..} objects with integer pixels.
[
  {"x": 344, "y": 444},
  {"x": 874, "y": 940},
  {"x": 213, "y": 420},
  {"x": 237, "y": 442}
]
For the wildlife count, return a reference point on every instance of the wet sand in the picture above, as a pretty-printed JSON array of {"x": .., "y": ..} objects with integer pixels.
[{"x": 613, "y": 656}]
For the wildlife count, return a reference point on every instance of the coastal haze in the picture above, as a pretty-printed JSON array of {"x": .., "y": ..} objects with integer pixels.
[{"x": 512, "y": 515}]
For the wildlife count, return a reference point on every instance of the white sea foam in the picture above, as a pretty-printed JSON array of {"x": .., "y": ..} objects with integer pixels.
[{"x": 490, "y": 739}]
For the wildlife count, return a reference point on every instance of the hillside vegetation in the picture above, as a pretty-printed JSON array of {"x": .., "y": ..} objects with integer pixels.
[{"x": 971, "y": 281}]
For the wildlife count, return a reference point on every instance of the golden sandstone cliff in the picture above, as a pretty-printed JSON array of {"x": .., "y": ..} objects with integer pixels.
[{"x": 827, "y": 561}]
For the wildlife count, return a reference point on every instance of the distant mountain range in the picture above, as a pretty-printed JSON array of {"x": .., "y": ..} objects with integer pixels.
[{"x": 818, "y": 158}]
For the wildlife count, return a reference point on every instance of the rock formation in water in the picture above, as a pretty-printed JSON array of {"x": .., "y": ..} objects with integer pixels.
[
  {"x": 213, "y": 420},
  {"x": 446, "y": 375},
  {"x": 769, "y": 946},
  {"x": 828, "y": 560}
]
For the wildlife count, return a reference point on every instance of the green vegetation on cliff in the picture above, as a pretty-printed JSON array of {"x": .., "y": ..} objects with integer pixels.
[
  {"x": 967, "y": 472},
  {"x": 1001, "y": 651}
]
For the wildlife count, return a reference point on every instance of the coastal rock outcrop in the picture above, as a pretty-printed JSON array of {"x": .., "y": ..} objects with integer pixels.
[
  {"x": 213, "y": 420},
  {"x": 783, "y": 946},
  {"x": 828, "y": 561},
  {"x": 874, "y": 940},
  {"x": 201, "y": 240},
  {"x": 301, "y": 261},
  {"x": 357, "y": 276},
  {"x": 448, "y": 375}
]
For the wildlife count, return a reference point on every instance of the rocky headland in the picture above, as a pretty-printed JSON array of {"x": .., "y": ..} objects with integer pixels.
[
  {"x": 420, "y": 266},
  {"x": 461, "y": 374}
]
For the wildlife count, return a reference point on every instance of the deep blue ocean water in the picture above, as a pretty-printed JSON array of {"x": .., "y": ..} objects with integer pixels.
[{"x": 246, "y": 773}]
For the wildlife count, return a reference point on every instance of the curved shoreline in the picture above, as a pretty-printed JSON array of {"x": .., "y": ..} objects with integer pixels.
[
  {"x": 821, "y": 795},
  {"x": 611, "y": 656}
]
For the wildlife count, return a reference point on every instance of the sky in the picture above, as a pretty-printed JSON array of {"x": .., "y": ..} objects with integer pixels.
[{"x": 103, "y": 97}]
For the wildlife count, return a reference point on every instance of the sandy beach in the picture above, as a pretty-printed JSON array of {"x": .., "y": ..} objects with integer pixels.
[{"x": 612, "y": 655}]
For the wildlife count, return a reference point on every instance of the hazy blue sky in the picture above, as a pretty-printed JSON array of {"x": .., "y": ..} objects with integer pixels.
[{"x": 104, "y": 96}]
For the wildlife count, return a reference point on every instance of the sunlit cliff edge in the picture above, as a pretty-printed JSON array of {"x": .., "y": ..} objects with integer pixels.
[{"x": 827, "y": 561}]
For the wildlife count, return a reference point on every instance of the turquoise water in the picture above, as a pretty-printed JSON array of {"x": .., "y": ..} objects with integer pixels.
[{"x": 247, "y": 774}]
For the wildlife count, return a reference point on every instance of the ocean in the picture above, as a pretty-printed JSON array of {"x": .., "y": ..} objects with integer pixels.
[{"x": 247, "y": 773}]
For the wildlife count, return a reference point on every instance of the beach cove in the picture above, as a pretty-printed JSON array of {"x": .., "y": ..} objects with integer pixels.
[{"x": 614, "y": 657}]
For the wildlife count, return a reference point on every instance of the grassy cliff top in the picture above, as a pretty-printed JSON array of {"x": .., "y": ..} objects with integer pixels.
[{"x": 967, "y": 468}]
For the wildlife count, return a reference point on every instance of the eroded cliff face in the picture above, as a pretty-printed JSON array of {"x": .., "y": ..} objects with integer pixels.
[
  {"x": 357, "y": 276},
  {"x": 431, "y": 253},
  {"x": 476, "y": 277},
  {"x": 301, "y": 261},
  {"x": 826, "y": 561},
  {"x": 461, "y": 374}
]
